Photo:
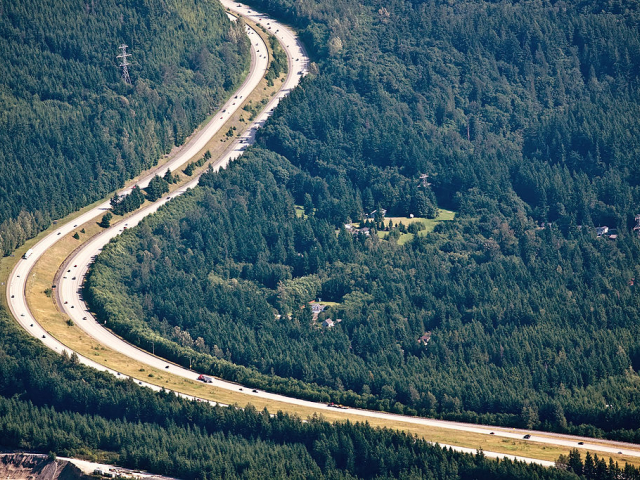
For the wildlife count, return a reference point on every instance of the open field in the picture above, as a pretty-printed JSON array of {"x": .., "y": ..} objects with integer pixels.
[{"x": 429, "y": 224}]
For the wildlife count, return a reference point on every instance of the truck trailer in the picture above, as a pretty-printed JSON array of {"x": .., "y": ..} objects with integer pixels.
[{"x": 27, "y": 254}]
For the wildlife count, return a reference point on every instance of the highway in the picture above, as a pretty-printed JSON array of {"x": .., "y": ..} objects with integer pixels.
[{"x": 69, "y": 285}]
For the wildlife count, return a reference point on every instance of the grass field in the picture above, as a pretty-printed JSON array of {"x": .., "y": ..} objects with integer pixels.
[{"x": 429, "y": 224}]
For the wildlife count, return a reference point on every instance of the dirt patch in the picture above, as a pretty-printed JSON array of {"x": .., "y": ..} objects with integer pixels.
[{"x": 20, "y": 466}]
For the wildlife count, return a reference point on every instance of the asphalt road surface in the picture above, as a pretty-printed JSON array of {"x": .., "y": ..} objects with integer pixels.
[{"x": 69, "y": 286}]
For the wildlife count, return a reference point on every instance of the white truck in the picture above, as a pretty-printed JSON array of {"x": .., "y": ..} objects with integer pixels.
[{"x": 27, "y": 254}]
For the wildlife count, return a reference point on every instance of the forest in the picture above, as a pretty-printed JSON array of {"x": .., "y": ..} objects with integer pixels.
[
  {"x": 51, "y": 404},
  {"x": 522, "y": 117},
  {"x": 71, "y": 129}
]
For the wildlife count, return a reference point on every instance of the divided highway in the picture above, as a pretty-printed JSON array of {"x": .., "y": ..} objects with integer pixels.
[{"x": 69, "y": 285}]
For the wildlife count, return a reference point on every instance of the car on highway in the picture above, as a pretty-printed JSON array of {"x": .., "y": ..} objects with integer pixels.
[
  {"x": 580, "y": 443},
  {"x": 527, "y": 436}
]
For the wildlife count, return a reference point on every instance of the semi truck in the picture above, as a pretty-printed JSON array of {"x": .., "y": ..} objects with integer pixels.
[
  {"x": 27, "y": 254},
  {"x": 205, "y": 379}
]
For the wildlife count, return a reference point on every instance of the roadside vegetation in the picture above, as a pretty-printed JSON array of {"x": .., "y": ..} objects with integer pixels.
[{"x": 50, "y": 404}]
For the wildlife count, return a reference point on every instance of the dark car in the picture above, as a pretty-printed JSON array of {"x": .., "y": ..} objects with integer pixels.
[{"x": 527, "y": 436}]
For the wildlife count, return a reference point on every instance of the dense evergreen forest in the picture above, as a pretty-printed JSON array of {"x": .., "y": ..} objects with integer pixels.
[
  {"x": 49, "y": 403},
  {"x": 523, "y": 116},
  {"x": 71, "y": 130}
]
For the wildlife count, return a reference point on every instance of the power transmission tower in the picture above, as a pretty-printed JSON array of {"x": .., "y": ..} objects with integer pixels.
[{"x": 125, "y": 64}]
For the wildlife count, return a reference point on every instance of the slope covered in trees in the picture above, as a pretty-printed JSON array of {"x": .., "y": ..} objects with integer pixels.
[
  {"x": 50, "y": 403},
  {"x": 521, "y": 332},
  {"x": 71, "y": 130},
  {"x": 522, "y": 114}
]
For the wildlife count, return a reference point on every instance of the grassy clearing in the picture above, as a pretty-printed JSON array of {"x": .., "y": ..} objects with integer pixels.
[{"x": 429, "y": 225}]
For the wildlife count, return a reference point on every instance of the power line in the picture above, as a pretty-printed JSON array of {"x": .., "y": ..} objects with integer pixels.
[{"x": 125, "y": 64}]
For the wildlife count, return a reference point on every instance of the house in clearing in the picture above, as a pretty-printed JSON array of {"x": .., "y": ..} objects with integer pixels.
[
  {"x": 372, "y": 215},
  {"x": 316, "y": 308},
  {"x": 424, "y": 339}
]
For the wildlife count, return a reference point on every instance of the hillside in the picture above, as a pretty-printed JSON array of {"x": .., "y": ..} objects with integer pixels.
[
  {"x": 516, "y": 313},
  {"x": 49, "y": 403},
  {"x": 71, "y": 130}
]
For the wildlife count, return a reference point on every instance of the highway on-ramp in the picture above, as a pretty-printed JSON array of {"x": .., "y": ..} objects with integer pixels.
[{"x": 69, "y": 285}]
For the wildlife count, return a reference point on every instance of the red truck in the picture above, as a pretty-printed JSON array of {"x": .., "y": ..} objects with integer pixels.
[{"x": 205, "y": 379}]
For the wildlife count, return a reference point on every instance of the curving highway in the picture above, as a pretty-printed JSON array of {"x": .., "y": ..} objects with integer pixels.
[{"x": 69, "y": 285}]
